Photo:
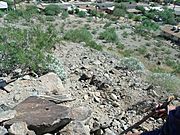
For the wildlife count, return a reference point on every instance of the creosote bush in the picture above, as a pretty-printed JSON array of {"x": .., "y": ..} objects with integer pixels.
[
  {"x": 26, "y": 48},
  {"x": 82, "y": 35},
  {"x": 52, "y": 10},
  {"x": 109, "y": 35}
]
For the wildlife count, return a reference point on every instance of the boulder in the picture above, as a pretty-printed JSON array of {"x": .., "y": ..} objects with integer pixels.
[{"x": 40, "y": 114}]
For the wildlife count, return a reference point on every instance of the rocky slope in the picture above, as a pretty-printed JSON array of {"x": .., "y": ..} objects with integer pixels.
[{"x": 99, "y": 96}]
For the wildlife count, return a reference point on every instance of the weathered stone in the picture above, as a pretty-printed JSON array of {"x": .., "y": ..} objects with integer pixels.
[
  {"x": 7, "y": 115},
  {"x": 52, "y": 82},
  {"x": 75, "y": 128},
  {"x": 41, "y": 114},
  {"x": 3, "y": 131},
  {"x": 18, "y": 128},
  {"x": 80, "y": 113}
]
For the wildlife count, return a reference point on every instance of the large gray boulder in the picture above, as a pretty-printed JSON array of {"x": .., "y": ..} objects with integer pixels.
[{"x": 41, "y": 114}]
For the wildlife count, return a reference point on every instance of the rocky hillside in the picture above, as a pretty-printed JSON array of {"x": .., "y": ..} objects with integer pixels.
[
  {"x": 103, "y": 75},
  {"x": 100, "y": 96}
]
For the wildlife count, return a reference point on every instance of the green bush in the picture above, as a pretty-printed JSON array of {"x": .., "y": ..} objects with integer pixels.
[
  {"x": 131, "y": 64},
  {"x": 119, "y": 10},
  {"x": 13, "y": 15},
  {"x": 81, "y": 14},
  {"x": 109, "y": 35},
  {"x": 52, "y": 10},
  {"x": 25, "y": 48},
  {"x": 167, "y": 81},
  {"x": 94, "y": 45},
  {"x": 78, "y": 35},
  {"x": 82, "y": 35}
]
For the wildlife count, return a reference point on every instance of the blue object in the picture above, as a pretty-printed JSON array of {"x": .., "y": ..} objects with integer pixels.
[{"x": 171, "y": 127}]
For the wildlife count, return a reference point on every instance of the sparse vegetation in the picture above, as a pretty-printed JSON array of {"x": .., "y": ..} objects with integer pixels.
[
  {"x": 131, "y": 64},
  {"x": 167, "y": 81}
]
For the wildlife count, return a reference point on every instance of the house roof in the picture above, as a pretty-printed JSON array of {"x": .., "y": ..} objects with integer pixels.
[
  {"x": 3, "y": 5},
  {"x": 167, "y": 29}
]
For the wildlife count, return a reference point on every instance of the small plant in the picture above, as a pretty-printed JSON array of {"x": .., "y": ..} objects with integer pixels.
[
  {"x": 109, "y": 35},
  {"x": 94, "y": 45},
  {"x": 131, "y": 64}
]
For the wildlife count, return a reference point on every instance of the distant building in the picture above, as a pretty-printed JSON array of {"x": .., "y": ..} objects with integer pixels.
[{"x": 172, "y": 33}]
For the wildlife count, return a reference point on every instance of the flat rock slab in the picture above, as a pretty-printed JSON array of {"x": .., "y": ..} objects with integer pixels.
[{"x": 41, "y": 114}]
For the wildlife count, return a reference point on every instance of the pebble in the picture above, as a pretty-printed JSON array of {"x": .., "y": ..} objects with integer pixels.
[{"x": 86, "y": 97}]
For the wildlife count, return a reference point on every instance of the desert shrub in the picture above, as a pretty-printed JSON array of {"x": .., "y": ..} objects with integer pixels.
[
  {"x": 25, "y": 48},
  {"x": 82, "y": 35},
  {"x": 109, "y": 35},
  {"x": 94, "y": 45},
  {"x": 81, "y": 14},
  {"x": 120, "y": 46},
  {"x": 13, "y": 15},
  {"x": 167, "y": 81},
  {"x": 130, "y": 15},
  {"x": 131, "y": 64},
  {"x": 56, "y": 66},
  {"x": 52, "y": 10},
  {"x": 141, "y": 8},
  {"x": 64, "y": 15},
  {"x": 119, "y": 10},
  {"x": 78, "y": 35}
]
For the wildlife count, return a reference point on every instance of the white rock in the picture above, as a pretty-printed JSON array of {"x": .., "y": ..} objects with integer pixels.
[
  {"x": 6, "y": 115},
  {"x": 86, "y": 97},
  {"x": 18, "y": 128}
]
